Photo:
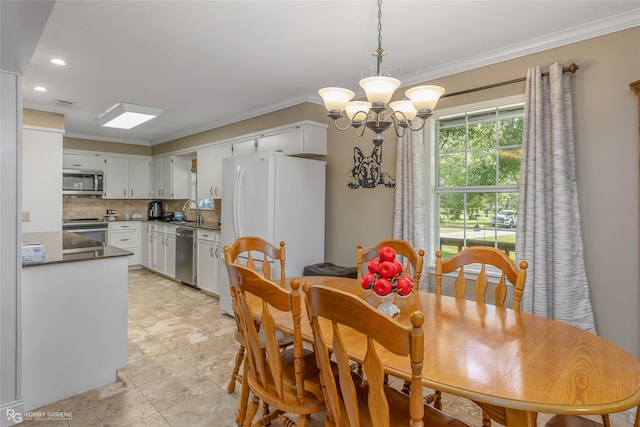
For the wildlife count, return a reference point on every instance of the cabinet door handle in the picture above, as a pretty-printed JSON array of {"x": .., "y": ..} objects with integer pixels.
[
  {"x": 211, "y": 190},
  {"x": 132, "y": 192},
  {"x": 215, "y": 191},
  {"x": 124, "y": 240},
  {"x": 124, "y": 192},
  {"x": 211, "y": 252},
  {"x": 76, "y": 164}
]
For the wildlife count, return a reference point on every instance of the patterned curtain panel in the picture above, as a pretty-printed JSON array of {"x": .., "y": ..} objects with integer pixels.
[
  {"x": 409, "y": 209},
  {"x": 548, "y": 228}
]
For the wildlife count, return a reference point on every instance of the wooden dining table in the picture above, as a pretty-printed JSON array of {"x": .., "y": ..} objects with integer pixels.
[{"x": 520, "y": 361}]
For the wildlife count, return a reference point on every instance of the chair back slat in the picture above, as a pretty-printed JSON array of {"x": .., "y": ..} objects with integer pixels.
[
  {"x": 501, "y": 292},
  {"x": 484, "y": 256},
  {"x": 345, "y": 381},
  {"x": 481, "y": 284},
  {"x": 413, "y": 260},
  {"x": 331, "y": 313},
  {"x": 378, "y": 404},
  {"x": 252, "y": 341},
  {"x": 461, "y": 282},
  {"x": 272, "y": 349}
]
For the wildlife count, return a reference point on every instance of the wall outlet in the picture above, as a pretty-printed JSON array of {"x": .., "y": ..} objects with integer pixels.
[{"x": 26, "y": 216}]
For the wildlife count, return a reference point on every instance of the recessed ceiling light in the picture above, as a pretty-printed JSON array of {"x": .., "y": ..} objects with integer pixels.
[
  {"x": 58, "y": 61},
  {"x": 40, "y": 88}
]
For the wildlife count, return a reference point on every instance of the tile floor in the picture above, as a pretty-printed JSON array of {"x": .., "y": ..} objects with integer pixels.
[{"x": 181, "y": 351}]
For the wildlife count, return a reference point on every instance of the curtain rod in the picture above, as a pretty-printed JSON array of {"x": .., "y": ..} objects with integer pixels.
[{"x": 569, "y": 69}]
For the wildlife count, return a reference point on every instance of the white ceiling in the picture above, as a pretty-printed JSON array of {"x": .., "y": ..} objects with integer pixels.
[{"x": 210, "y": 63}]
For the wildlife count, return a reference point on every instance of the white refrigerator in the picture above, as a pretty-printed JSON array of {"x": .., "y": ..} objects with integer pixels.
[{"x": 275, "y": 197}]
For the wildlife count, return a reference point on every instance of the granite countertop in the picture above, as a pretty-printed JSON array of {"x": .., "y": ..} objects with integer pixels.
[{"x": 64, "y": 246}]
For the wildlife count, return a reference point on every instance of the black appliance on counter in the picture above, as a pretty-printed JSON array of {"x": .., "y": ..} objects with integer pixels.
[{"x": 155, "y": 210}]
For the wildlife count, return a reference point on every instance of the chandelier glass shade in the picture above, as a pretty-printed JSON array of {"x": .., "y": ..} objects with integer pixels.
[{"x": 377, "y": 113}]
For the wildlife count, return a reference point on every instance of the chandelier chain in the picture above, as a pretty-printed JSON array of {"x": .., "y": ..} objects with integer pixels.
[{"x": 379, "y": 24}]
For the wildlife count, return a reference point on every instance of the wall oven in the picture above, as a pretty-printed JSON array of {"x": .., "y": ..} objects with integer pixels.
[
  {"x": 82, "y": 182},
  {"x": 92, "y": 228}
]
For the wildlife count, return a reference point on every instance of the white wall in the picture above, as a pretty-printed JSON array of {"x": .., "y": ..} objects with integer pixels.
[
  {"x": 42, "y": 179},
  {"x": 10, "y": 348}
]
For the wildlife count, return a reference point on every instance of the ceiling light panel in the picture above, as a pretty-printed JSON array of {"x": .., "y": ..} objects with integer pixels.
[{"x": 127, "y": 116}]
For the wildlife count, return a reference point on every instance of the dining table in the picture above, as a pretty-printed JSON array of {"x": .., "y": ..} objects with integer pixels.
[{"x": 520, "y": 361}]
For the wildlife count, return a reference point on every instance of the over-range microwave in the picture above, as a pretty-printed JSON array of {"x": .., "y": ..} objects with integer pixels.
[{"x": 82, "y": 182}]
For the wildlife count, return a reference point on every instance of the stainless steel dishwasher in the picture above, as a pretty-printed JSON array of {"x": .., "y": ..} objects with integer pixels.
[{"x": 185, "y": 259}]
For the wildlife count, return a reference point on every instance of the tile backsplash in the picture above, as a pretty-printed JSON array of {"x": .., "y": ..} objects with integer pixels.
[{"x": 95, "y": 207}]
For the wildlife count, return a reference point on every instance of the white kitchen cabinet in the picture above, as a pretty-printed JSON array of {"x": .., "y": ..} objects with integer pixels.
[
  {"x": 127, "y": 178},
  {"x": 171, "y": 177},
  {"x": 146, "y": 244},
  {"x": 242, "y": 147},
  {"x": 164, "y": 248},
  {"x": 209, "y": 181},
  {"x": 126, "y": 235},
  {"x": 208, "y": 253},
  {"x": 301, "y": 140},
  {"x": 222, "y": 275},
  {"x": 93, "y": 161}
]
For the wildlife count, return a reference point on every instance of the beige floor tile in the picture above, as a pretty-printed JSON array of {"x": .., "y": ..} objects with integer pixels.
[
  {"x": 155, "y": 420},
  {"x": 176, "y": 388}
]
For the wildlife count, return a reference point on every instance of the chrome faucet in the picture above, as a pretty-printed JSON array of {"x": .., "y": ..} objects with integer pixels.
[{"x": 198, "y": 214}]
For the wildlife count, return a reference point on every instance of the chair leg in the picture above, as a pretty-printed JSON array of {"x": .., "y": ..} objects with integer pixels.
[
  {"x": 244, "y": 398},
  {"x": 435, "y": 398},
  {"x": 234, "y": 376},
  {"x": 486, "y": 419},
  {"x": 605, "y": 420},
  {"x": 251, "y": 411}
]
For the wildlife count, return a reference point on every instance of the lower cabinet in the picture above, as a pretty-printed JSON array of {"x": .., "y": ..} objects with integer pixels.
[
  {"x": 164, "y": 249},
  {"x": 146, "y": 245},
  {"x": 126, "y": 235},
  {"x": 208, "y": 252}
]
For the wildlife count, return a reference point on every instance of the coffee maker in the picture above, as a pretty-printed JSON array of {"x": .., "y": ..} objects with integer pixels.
[{"x": 155, "y": 210}]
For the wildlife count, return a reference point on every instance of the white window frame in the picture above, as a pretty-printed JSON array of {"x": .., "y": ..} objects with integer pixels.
[{"x": 431, "y": 213}]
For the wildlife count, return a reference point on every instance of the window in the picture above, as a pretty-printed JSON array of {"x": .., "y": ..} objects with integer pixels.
[{"x": 476, "y": 158}]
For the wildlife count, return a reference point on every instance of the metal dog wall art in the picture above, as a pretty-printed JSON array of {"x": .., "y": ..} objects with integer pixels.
[{"x": 367, "y": 170}]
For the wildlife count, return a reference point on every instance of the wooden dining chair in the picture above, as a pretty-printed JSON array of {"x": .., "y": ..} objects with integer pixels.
[
  {"x": 344, "y": 322},
  {"x": 258, "y": 255},
  {"x": 287, "y": 380},
  {"x": 413, "y": 259},
  {"x": 507, "y": 270}
]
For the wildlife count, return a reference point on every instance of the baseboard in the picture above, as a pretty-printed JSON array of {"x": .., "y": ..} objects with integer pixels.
[{"x": 11, "y": 413}]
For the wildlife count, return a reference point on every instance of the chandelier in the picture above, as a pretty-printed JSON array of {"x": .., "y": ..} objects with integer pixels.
[{"x": 373, "y": 113}]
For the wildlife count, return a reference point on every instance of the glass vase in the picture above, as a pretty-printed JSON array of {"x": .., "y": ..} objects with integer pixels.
[{"x": 387, "y": 306}]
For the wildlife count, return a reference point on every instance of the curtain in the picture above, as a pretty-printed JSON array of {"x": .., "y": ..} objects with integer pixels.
[
  {"x": 409, "y": 207},
  {"x": 548, "y": 229}
]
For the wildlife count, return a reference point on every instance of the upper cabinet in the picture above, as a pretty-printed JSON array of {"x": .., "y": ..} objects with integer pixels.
[
  {"x": 246, "y": 146},
  {"x": 127, "y": 178},
  {"x": 302, "y": 140},
  {"x": 209, "y": 178},
  {"x": 92, "y": 161},
  {"x": 171, "y": 177}
]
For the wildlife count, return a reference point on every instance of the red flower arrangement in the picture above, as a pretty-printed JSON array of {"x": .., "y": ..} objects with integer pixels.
[{"x": 385, "y": 275}]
